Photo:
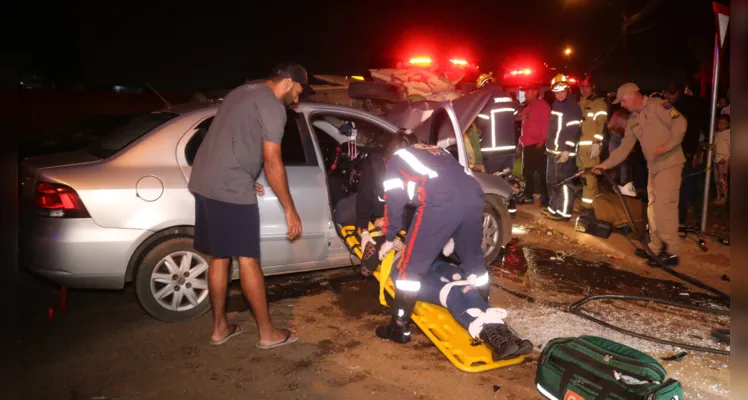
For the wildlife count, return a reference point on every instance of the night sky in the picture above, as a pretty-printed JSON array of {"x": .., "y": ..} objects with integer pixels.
[{"x": 210, "y": 45}]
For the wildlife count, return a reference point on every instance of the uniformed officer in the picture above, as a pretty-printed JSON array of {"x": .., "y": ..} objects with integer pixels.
[
  {"x": 595, "y": 115},
  {"x": 660, "y": 130},
  {"x": 496, "y": 124},
  {"x": 561, "y": 148},
  {"x": 449, "y": 204}
]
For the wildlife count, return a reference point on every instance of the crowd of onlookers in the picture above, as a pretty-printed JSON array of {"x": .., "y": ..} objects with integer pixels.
[{"x": 632, "y": 175}]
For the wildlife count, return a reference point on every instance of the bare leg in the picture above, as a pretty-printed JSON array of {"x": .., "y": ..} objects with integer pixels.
[
  {"x": 218, "y": 279},
  {"x": 253, "y": 287}
]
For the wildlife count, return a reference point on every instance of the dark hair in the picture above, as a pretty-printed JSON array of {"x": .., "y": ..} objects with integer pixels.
[
  {"x": 400, "y": 140},
  {"x": 725, "y": 117}
]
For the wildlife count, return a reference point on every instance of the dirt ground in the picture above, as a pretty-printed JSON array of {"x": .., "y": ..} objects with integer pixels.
[{"x": 105, "y": 347}]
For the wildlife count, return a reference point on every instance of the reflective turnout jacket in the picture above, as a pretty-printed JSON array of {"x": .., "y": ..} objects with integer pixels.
[
  {"x": 496, "y": 123},
  {"x": 564, "y": 128},
  {"x": 594, "y": 118},
  {"x": 418, "y": 174}
]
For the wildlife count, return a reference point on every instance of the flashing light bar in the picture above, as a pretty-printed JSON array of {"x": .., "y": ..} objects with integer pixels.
[
  {"x": 526, "y": 71},
  {"x": 458, "y": 61},
  {"x": 420, "y": 61},
  {"x": 357, "y": 77}
]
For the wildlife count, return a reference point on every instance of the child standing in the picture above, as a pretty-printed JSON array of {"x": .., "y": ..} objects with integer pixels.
[{"x": 722, "y": 158}]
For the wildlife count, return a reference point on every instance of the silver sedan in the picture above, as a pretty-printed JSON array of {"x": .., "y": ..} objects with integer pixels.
[{"x": 120, "y": 211}]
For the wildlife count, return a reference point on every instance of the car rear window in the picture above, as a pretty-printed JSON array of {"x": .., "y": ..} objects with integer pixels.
[{"x": 122, "y": 135}]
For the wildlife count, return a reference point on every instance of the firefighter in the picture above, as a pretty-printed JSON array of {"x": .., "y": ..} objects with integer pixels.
[
  {"x": 561, "y": 149},
  {"x": 660, "y": 129},
  {"x": 496, "y": 123},
  {"x": 448, "y": 203},
  {"x": 594, "y": 118}
]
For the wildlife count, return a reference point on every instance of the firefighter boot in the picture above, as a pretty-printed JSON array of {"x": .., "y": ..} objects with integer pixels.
[
  {"x": 398, "y": 330},
  {"x": 502, "y": 342}
]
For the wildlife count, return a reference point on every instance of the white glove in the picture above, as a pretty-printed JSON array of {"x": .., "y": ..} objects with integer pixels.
[
  {"x": 449, "y": 248},
  {"x": 595, "y": 150},
  {"x": 386, "y": 247},
  {"x": 563, "y": 157},
  {"x": 366, "y": 238}
]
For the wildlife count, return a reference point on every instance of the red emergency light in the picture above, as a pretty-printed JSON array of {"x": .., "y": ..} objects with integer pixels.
[
  {"x": 525, "y": 71},
  {"x": 422, "y": 61},
  {"x": 458, "y": 61},
  {"x": 572, "y": 80}
]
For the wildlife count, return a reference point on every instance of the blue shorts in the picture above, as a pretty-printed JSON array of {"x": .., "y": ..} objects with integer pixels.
[{"x": 226, "y": 229}]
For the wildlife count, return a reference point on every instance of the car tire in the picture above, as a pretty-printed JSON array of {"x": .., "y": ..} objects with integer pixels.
[
  {"x": 162, "y": 287},
  {"x": 374, "y": 91},
  {"x": 497, "y": 227}
]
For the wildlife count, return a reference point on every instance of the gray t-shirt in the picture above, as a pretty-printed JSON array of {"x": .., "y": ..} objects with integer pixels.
[{"x": 230, "y": 157}]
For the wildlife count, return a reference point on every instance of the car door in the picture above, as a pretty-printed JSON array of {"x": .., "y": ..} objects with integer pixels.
[{"x": 308, "y": 190}]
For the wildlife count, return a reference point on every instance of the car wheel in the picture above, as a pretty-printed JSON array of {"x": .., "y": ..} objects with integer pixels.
[
  {"x": 171, "y": 282},
  {"x": 497, "y": 228}
]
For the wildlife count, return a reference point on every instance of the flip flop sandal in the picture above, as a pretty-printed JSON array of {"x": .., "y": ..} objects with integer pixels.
[
  {"x": 237, "y": 330},
  {"x": 287, "y": 340}
]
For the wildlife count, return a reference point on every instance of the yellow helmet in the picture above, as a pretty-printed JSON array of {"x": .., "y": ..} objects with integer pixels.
[
  {"x": 559, "y": 83},
  {"x": 484, "y": 79}
]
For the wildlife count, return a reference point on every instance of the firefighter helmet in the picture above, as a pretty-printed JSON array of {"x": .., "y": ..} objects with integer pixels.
[
  {"x": 559, "y": 83},
  {"x": 485, "y": 79}
]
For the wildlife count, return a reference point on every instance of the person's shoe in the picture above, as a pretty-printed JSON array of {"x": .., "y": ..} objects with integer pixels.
[
  {"x": 546, "y": 212},
  {"x": 526, "y": 200},
  {"x": 500, "y": 340},
  {"x": 525, "y": 347},
  {"x": 588, "y": 213},
  {"x": 398, "y": 331},
  {"x": 557, "y": 217},
  {"x": 666, "y": 259}
]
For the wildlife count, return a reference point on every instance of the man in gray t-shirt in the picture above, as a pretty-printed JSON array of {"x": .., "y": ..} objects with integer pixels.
[{"x": 246, "y": 133}]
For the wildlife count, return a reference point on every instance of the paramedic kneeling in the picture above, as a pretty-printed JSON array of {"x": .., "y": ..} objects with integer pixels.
[
  {"x": 449, "y": 204},
  {"x": 660, "y": 130}
]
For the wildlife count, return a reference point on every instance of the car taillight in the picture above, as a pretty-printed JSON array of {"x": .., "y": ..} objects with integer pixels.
[{"x": 55, "y": 200}]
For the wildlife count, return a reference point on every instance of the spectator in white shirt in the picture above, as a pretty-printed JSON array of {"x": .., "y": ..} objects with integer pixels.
[{"x": 722, "y": 158}]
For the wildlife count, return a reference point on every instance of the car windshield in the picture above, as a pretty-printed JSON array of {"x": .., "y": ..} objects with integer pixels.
[{"x": 109, "y": 143}]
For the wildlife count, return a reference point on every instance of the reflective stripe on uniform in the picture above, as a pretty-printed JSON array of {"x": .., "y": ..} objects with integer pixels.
[
  {"x": 394, "y": 183},
  {"x": 560, "y": 115},
  {"x": 484, "y": 116},
  {"x": 570, "y": 143},
  {"x": 566, "y": 202},
  {"x": 499, "y": 148},
  {"x": 493, "y": 130},
  {"x": 588, "y": 201},
  {"x": 572, "y": 123},
  {"x": 411, "y": 189},
  {"x": 408, "y": 286},
  {"x": 554, "y": 152},
  {"x": 415, "y": 163},
  {"x": 585, "y": 142},
  {"x": 599, "y": 136},
  {"x": 590, "y": 115},
  {"x": 599, "y": 113}
]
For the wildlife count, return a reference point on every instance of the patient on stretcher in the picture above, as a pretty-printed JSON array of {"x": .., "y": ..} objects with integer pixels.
[{"x": 446, "y": 284}]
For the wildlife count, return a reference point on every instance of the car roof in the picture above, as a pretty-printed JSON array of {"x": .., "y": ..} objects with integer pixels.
[{"x": 187, "y": 108}]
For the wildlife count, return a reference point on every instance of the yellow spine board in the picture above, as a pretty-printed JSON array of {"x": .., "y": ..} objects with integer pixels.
[{"x": 436, "y": 322}]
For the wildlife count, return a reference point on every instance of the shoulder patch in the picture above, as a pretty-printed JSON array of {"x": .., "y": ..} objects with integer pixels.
[
  {"x": 674, "y": 113},
  {"x": 668, "y": 105}
]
